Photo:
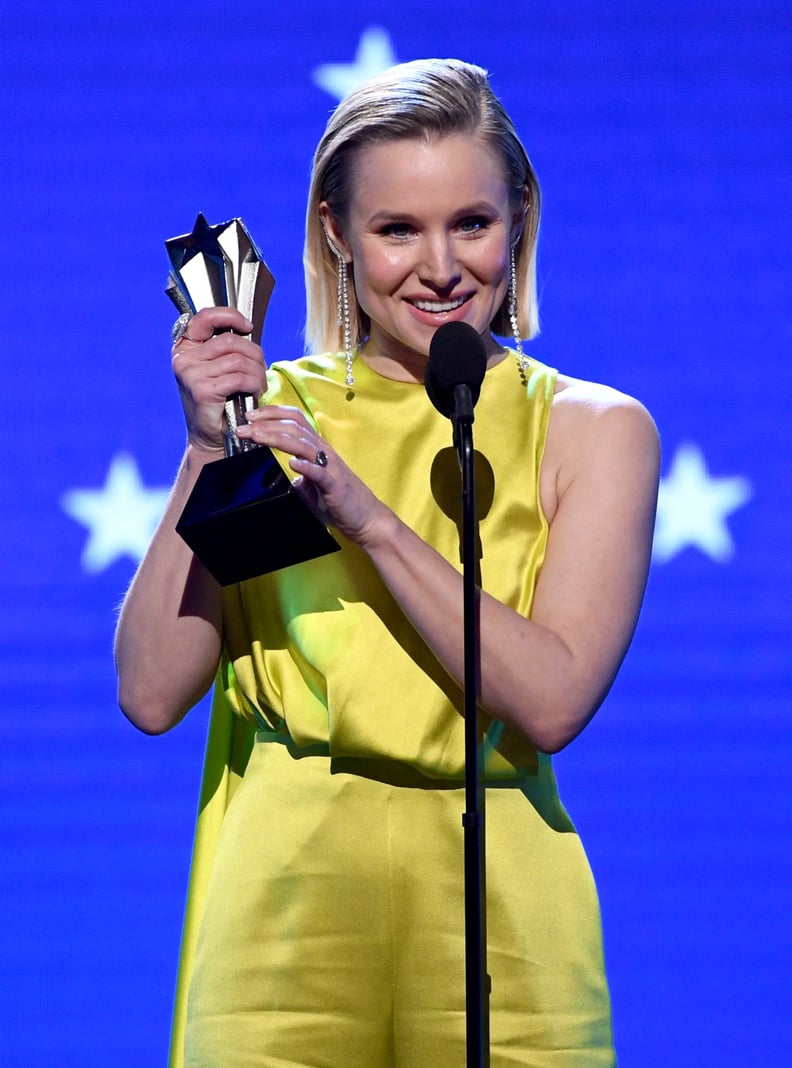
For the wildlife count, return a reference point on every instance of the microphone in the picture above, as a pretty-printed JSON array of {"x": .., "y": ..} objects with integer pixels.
[{"x": 456, "y": 368}]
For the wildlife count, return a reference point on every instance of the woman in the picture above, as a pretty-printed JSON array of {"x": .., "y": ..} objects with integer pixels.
[{"x": 325, "y": 919}]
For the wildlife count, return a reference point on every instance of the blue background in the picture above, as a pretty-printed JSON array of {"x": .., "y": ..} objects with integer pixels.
[{"x": 660, "y": 132}]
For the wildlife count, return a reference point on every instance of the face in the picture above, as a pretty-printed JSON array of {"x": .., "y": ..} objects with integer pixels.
[{"x": 428, "y": 236}]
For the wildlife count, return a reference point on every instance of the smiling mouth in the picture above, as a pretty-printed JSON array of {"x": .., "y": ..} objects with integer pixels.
[{"x": 438, "y": 306}]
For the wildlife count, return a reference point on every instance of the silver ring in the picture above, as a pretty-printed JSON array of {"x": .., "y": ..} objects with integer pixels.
[
  {"x": 180, "y": 327},
  {"x": 179, "y": 331},
  {"x": 321, "y": 458}
]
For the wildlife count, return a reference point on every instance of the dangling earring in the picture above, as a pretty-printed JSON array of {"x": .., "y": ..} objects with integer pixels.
[
  {"x": 344, "y": 324},
  {"x": 522, "y": 359}
]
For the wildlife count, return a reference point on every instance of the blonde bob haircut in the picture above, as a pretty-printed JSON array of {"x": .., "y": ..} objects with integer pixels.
[{"x": 428, "y": 99}]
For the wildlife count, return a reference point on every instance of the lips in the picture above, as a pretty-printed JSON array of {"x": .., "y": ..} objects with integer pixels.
[{"x": 437, "y": 307}]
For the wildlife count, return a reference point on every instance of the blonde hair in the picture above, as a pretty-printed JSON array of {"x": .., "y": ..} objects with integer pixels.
[{"x": 428, "y": 98}]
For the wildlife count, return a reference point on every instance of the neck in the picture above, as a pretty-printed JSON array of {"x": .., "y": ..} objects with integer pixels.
[{"x": 408, "y": 365}]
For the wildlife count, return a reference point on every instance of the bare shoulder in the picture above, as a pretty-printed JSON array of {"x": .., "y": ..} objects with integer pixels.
[
  {"x": 596, "y": 431},
  {"x": 583, "y": 408},
  {"x": 582, "y": 399}
]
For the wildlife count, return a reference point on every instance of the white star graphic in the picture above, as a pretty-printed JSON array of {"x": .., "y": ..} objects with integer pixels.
[
  {"x": 121, "y": 517},
  {"x": 374, "y": 54},
  {"x": 692, "y": 508}
]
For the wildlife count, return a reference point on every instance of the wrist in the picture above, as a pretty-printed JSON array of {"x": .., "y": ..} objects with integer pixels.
[
  {"x": 381, "y": 534},
  {"x": 199, "y": 453}
]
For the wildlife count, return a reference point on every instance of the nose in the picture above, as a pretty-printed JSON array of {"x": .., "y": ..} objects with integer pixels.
[{"x": 439, "y": 268}]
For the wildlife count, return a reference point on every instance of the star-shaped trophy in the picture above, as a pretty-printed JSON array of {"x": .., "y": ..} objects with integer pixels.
[{"x": 242, "y": 518}]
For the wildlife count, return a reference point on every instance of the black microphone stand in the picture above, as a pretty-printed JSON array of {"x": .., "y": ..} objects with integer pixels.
[{"x": 477, "y": 982}]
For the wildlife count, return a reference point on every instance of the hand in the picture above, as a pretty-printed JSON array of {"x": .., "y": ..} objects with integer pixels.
[
  {"x": 210, "y": 366},
  {"x": 331, "y": 489}
]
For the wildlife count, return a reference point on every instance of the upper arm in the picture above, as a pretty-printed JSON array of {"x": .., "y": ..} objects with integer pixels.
[{"x": 604, "y": 453}]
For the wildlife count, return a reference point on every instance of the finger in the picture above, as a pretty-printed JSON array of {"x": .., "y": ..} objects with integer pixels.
[
  {"x": 287, "y": 436},
  {"x": 222, "y": 381},
  {"x": 207, "y": 324},
  {"x": 220, "y": 355},
  {"x": 218, "y": 345},
  {"x": 216, "y": 354},
  {"x": 314, "y": 468},
  {"x": 273, "y": 413},
  {"x": 218, "y": 390},
  {"x": 211, "y": 363},
  {"x": 272, "y": 424}
]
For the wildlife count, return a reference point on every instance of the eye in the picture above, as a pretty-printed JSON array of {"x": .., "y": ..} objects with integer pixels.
[
  {"x": 397, "y": 230},
  {"x": 473, "y": 224}
]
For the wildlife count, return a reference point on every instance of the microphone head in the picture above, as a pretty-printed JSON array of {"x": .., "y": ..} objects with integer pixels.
[{"x": 456, "y": 357}]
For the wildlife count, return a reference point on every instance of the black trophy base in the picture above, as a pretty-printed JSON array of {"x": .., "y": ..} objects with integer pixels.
[{"x": 243, "y": 519}]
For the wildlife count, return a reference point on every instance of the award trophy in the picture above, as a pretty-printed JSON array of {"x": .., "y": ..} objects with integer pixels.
[{"x": 243, "y": 518}]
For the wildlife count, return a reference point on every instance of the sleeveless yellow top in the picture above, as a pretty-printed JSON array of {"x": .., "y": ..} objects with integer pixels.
[
  {"x": 321, "y": 654},
  {"x": 321, "y": 658}
]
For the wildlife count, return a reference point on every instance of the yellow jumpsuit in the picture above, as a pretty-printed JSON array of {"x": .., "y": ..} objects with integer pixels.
[{"x": 324, "y": 924}]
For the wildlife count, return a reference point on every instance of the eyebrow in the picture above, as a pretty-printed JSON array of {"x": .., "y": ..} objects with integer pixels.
[{"x": 480, "y": 207}]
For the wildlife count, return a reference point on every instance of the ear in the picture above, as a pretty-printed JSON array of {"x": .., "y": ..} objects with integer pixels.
[{"x": 334, "y": 231}]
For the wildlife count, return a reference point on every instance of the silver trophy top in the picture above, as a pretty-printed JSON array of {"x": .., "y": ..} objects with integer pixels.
[{"x": 219, "y": 266}]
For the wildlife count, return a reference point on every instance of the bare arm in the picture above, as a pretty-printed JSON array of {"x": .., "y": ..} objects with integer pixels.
[
  {"x": 169, "y": 632},
  {"x": 546, "y": 675}
]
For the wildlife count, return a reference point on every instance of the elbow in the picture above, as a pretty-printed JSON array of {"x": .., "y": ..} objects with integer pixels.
[
  {"x": 568, "y": 714},
  {"x": 553, "y": 741},
  {"x": 549, "y": 743},
  {"x": 552, "y": 738},
  {"x": 155, "y": 702},
  {"x": 560, "y": 724},
  {"x": 148, "y": 712},
  {"x": 149, "y": 724}
]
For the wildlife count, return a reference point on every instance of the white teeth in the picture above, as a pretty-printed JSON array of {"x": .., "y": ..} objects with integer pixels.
[{"x": 439, "y": 305}]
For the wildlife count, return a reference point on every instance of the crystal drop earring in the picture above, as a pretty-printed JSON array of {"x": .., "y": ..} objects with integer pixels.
[
  {"x": 343, "y": 317},
  {"x": 522, "y": 359}
]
